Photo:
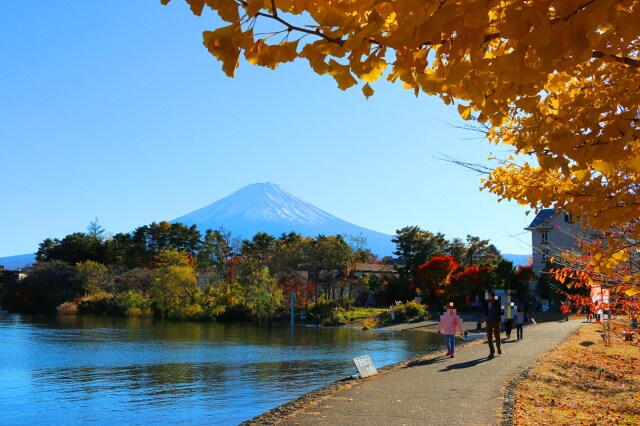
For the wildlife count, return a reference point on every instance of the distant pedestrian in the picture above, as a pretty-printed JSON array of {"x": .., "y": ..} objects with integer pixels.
[
  {"x": 509, "y": 316},
  {"x": 565, "y": 308},
  {"x": 492, "y": 314},
  {"x": 521, "y": 318},
  {"x": 450, "y": 324}
]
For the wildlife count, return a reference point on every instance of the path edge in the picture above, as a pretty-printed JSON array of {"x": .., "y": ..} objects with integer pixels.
[{"x": 508, "y": 403}]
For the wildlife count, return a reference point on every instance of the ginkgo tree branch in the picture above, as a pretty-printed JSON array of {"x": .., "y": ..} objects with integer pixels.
[
  {"x": 624, "y": 60},
  {"x": 487, "y": 38},
  {"x": 291, "y": 27},
  {"x": 557, "y": 82}
]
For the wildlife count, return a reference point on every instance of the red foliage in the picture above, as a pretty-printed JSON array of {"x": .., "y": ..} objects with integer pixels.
[
  {"x": 525, "y": 273},
  {"x": 472, "y": 278},
  {"x": 435, "y": 273},
  {"x": 304, "y": 290}
]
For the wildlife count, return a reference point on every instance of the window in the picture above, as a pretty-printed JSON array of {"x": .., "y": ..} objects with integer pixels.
[
  {"x": 545, "y": 255},
  {"x": 544, "y": 237},
  {"x": 568, "y": 217}
]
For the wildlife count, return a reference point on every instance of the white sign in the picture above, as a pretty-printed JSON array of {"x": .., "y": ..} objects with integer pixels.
[{"x": 365, "y": 366}]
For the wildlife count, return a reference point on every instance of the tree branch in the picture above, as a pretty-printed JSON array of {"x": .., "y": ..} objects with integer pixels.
[
  {"x": 291, "y": 27},
  {"x": 634, "y": 63},
  {"x": 474, "y": 167}
]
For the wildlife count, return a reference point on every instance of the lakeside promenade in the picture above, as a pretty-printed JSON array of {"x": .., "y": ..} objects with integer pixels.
[{"x": 433, "y": 389}]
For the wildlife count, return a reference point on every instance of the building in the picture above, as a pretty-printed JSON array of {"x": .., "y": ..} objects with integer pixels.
[{"x": 552, "y": 232}]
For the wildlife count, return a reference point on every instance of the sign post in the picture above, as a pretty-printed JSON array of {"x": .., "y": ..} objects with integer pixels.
[
  {"x": 293, "y": 298},
  {"x": 365, "y": 366}
]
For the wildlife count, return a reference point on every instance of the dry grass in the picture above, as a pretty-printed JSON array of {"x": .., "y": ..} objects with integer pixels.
[{"x": 582, "y": 382}]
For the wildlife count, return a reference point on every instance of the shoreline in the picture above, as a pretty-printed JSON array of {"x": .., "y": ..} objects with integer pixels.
[{"x": 314, "y": 397}]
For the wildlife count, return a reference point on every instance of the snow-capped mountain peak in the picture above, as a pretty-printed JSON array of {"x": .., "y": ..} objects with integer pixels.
[{"x": 268, "y": 207}]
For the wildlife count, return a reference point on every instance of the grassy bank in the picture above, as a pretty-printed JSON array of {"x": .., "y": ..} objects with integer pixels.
[{"x": 582, "y": 382}]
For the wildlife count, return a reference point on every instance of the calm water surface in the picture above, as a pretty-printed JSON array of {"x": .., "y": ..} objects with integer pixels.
[{"x": 76, "y": 370}]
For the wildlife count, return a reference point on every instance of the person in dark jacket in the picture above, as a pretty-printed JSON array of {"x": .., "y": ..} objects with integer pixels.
[{"x": 492, "y": 315}]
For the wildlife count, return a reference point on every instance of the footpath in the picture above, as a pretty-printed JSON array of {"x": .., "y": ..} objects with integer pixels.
[{"x": 434, "y": 389}]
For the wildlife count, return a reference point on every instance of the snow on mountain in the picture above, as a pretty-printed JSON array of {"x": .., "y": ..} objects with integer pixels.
[{"x": 267, "y": 207}]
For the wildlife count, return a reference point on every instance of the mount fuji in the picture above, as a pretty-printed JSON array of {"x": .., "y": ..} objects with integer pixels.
[{"x": 267, "y": 207}]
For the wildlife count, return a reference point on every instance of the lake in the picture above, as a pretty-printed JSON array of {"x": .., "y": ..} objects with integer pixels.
[{"x": 98, "y": 370}]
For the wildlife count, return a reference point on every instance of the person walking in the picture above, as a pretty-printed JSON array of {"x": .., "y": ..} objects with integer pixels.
[
  {"x": 521, "y": 318},
  {"x": 509, "y": 316},
  {"x": 450, "y": 324},
  {"x": 492, "y": 314}
]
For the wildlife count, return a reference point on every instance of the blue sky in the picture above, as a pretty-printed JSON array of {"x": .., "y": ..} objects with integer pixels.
[{"x": 115, "y": 110}]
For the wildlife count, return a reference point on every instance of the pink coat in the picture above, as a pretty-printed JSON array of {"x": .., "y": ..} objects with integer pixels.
[{"x": 450, "y": 323}]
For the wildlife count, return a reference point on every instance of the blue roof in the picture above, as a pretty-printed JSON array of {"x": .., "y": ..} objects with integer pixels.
[{"x": 542, "y": 216}]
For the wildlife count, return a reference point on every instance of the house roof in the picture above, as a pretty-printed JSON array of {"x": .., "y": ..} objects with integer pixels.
[{"x": 542, "y": 216}]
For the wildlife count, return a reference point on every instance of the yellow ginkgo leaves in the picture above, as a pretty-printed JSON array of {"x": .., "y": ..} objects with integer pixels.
[{"x": 555, "y": 80}]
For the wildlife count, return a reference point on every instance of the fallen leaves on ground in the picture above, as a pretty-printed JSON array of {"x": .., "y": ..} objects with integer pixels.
[{"x": 582, "y": 382}]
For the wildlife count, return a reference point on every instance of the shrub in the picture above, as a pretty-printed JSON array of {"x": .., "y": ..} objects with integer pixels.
[
  {"x": 135, "y": 304},
  {"x": 67, "y": 308},
  {"x": 415, "y": 309},
  {"x": 407, "y": 311},
  {"x": 99, "y": 304},
  {"x": 322, "y": 309}
]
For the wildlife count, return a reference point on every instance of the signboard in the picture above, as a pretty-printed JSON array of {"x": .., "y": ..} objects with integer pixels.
[{"x": 365, "y": 366}]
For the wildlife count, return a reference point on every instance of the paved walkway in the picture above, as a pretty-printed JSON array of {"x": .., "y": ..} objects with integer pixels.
[{"x": 465, "y": 390}]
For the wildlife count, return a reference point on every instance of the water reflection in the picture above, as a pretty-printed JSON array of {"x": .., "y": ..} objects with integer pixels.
[{"x": 73, "y": 370}]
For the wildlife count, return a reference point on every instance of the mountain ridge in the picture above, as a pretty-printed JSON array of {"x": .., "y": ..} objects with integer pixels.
[{"x": 268, "y": 207}]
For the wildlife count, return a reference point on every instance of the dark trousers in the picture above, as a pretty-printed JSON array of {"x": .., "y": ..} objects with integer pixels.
[
  {"x": 493, "y": 332},
  {"x": 519, "y": 331},
  {"x": 508, "y": 325}
]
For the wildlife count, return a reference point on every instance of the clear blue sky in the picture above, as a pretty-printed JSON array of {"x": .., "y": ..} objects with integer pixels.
[{"x": 116, "y": 110}]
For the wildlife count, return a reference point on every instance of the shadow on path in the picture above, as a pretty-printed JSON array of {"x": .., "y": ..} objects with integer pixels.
[
  {"x": 422, "y": 362},
  {"x": 467, "y": 364}
]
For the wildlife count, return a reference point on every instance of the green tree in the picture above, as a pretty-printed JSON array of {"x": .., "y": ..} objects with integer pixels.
[
  {"x": 415, "y": 247},
  {"x": 260, "y": 249},
  {"x": 334, "y": 255},
  {"x": 175, "y": 289},
  {"x": 480, "y": 252},
  {"x": 265, "y": 298},
  {"x": 91, "y": 276},
  {"x": 74, "y": 248},
  {"x": 47, "y": 285},
  {"x": 217, "y": 253},
  {"x": 95, "y": 230},
  {"x": 457, "y": 249}
]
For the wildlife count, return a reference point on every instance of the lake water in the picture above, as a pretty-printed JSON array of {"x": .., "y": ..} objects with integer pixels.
[{"x": 79, "y": 370}]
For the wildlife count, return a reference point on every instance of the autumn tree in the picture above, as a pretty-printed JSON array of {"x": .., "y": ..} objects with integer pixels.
[
  {"x": 471, "y": 281},
  {"x": 175, "y": 289},
  {"x": 557, "y": 81},
  {"x": 576, "y": 271},
  {"x": 434, "y": 275}
]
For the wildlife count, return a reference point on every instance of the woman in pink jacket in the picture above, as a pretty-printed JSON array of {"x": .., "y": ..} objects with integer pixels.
[{"x": 450, "y": 324}]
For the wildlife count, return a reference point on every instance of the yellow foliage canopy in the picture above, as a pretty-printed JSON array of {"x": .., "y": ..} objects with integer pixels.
[{"x": 557, "y": 80}]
